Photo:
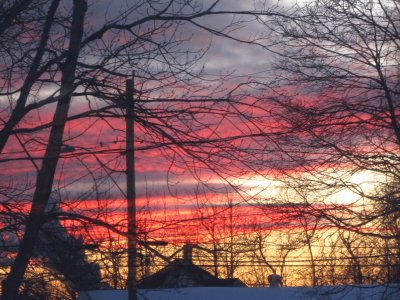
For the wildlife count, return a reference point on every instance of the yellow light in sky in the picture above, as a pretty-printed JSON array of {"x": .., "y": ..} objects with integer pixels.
[
  {"x": 358, "y": 184},
  {"x": 346, "y": 188}
]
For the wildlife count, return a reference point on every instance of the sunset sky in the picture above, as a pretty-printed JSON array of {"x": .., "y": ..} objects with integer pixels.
[
  {"x": 223, "y": 57},
  {"x": 170, "y": 177},
  {"x": 266, "y": 138}
]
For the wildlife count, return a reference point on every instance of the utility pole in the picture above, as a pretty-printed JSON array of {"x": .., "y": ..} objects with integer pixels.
[{"x": 130, "y": 189}]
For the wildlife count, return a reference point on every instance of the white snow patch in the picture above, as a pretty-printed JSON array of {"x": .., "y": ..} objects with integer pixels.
[{"x": 391, "y": 292}]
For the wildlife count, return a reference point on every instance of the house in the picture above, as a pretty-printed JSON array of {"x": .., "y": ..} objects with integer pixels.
[{"x": 184, "y": 273}]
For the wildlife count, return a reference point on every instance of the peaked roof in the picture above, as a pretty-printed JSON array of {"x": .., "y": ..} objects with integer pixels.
[{"x": 182, "y": 273}]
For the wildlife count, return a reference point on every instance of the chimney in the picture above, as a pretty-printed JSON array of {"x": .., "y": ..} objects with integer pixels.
[{"x": 187, "y": 253}]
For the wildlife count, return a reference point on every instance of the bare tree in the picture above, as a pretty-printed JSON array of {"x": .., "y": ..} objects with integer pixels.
[
  {"x": 45, "y": 176},
  {"x": 79, "y": 68},
  {"x": 336, "y": 95},
  {"x": 386, "y": 204}
]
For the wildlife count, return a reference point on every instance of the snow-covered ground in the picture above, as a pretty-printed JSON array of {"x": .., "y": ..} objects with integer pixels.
[{"x": 292, "y": 293}]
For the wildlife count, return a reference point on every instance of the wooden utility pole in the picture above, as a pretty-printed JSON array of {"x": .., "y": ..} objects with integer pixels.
[{"x": 130, "y": 189}]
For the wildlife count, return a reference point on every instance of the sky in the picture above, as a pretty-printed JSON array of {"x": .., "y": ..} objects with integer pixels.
[
  {"x": 223, "y": 57},
  {"x": 169, "y": 177},
  {"x": 188, "y": 191}
]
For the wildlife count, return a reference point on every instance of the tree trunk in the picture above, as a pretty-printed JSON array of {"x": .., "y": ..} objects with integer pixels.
[
  {"x": 45, "y": 177},
  {"x": 19, "y": 111}
]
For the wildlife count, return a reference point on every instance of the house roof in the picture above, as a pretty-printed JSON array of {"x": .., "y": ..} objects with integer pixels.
[{"x": 182, "y": 273}]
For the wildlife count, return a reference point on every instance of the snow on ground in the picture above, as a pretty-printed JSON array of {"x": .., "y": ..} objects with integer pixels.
[{"x": 292, "y": 293}]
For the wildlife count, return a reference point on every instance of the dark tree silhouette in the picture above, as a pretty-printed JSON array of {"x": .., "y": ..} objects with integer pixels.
[
  {"x": 77, "y": 67},
  {"x": 336, "y": 96}
]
